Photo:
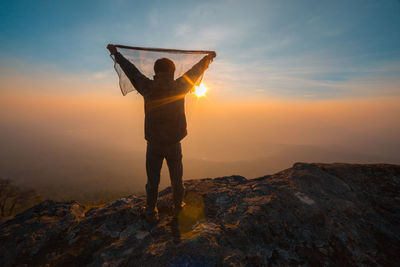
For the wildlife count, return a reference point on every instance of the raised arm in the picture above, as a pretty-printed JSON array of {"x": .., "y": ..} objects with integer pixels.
[
  {"x": 137, "y": 79},
  {"x": 188, "y": 79}
]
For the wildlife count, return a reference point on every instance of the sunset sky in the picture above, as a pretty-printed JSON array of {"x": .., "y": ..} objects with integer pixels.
[
  {"x": 281, "y": 49},
  {"x": 301, "y": 73}
]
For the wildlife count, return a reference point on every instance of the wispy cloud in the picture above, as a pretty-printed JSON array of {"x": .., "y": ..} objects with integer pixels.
[{"x": 309, "y": 49}]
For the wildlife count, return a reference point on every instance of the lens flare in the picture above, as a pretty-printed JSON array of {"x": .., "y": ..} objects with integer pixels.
[{"x": 200, "y": 90}]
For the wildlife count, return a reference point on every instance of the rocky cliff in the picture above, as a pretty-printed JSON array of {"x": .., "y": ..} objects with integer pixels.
[{"x": 309, "y": 215}]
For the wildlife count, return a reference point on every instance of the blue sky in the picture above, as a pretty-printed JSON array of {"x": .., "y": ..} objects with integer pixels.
[{"x": 297, "y": 49}]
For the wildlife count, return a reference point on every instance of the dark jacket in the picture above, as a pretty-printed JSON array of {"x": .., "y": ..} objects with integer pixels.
[{"x": 164, "y": 100}]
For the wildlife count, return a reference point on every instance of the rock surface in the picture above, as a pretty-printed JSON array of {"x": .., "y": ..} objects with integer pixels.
[{"x": 308, "y": 215}]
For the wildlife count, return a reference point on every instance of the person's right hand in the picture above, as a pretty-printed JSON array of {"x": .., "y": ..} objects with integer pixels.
[
  {"x": 112, "y": 49},
  {"x": 212, "y": 55}
]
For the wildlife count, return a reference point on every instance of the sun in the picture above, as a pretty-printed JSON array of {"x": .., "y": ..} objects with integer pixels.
[{"x": 200, "y": 90}]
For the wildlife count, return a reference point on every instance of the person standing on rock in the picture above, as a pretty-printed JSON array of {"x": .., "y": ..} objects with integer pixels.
[{"x": 165, "y": 122}]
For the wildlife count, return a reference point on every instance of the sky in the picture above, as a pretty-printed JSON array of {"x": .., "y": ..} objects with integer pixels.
[
  {"x": 294, "y": 73},
  {"x": 280, "y": 49}
]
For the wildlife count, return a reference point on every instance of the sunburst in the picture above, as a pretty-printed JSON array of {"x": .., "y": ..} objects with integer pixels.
[{"x": 200, "y": 90}]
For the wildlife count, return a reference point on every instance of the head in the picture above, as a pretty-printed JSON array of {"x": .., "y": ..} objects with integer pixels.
[{"x": 164, "y": 65}]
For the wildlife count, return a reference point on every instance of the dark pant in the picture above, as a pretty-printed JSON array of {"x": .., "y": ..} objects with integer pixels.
[{"x": 154, "y": 159}]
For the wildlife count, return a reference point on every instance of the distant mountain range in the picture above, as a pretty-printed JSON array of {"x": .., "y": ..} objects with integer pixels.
[{"x": 65, "y": 170}]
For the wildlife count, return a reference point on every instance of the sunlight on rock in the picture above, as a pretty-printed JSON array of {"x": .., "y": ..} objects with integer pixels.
[
  {"x": 192, "y": 212},
  {"x": 304, "y": 198}
]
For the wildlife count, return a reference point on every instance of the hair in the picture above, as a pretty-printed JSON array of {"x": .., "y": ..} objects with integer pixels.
[{"x": 164, "y": 65}]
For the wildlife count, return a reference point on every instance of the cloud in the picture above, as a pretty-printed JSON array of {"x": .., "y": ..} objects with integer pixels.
[
  {"x": 101, "y": 75},
  {"x": 183, "y": 29}
]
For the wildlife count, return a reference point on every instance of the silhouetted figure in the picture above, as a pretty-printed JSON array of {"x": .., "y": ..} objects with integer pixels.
[{"x": 165, "y": 122}]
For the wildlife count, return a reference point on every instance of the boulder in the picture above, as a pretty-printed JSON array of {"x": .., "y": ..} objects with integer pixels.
[{"x": 309, "y": 215}]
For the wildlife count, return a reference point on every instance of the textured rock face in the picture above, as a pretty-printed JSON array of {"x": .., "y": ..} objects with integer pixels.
[{"x": 310, "y": 214}]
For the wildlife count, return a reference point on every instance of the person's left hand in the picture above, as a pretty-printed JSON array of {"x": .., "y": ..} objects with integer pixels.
[{"x": 112, "y": 49}]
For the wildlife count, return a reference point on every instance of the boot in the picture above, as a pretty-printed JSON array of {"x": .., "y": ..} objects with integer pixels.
[
  {"x": 151, "y": 216},
  {"x": 177, "y": 209}
]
